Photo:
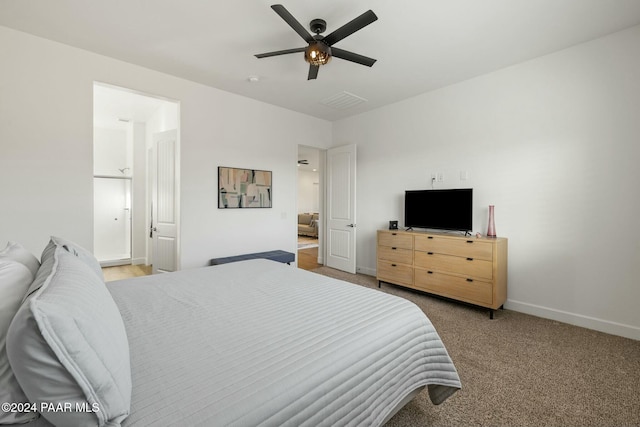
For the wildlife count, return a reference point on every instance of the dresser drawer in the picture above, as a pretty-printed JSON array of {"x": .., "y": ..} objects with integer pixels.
[
  {"x": 471, "y": 248},
  {"x": 468, "y": 267},
  {"x": 391, "y": 253},
  {"x": 395, "y": 273},
  {"x": 395, "y": 240},
  {"x": 473, "y": 291}
]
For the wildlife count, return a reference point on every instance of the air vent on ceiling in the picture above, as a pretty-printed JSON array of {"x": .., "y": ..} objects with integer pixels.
[{"x": 343, "y": 100}]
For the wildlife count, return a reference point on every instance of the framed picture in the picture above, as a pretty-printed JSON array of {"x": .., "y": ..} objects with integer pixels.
[{"x": 243, "y": 188}]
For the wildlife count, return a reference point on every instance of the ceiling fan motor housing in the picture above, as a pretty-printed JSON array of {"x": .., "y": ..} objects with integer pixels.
[{"x": 318, "y": 26}]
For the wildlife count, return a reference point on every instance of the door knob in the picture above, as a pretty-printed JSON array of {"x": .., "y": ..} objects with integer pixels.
[{"x": 351, "y": 225}]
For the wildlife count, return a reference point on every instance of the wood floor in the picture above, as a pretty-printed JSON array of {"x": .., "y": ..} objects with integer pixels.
[
  {"x": 125, "y": 272},
  {"x": 308, "y": 258}
]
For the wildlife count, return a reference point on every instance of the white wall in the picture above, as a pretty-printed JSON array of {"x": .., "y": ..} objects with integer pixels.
[
  {"x": 554, "y": 144},
  {"x": 308, "y": 191},
  {"x": 47, "y": 157},
  {"x": 112, "y": 150}
]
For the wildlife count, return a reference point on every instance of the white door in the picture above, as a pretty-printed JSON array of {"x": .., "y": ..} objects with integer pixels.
[
  {"x": 112, "y": 220},
  {"x": 341, "y": 208},
  {"x": 164, "y": 207}
]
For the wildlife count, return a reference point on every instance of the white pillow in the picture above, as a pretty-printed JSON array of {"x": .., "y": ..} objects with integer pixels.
[
  {"x": 67, "y": 345},
  {"x": 16, "y": 252},
  {"x": 15, "y": 279}
]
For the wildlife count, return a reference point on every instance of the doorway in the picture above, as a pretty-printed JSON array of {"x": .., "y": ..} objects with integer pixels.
[
  {"x": 309, "y": 207},
  {"x": 124, "y": 124}
]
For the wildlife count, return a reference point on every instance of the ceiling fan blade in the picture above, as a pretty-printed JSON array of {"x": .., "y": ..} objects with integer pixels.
[
  {"x": 293, "y": 22},
  {"x": 351, "y": 27},
  {"x": 313, "y": 72},
  {"x": 353, "y": 57},
  {"x": 280, "y": 52}
]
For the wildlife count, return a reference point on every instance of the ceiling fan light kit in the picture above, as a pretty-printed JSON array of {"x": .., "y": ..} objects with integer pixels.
[
  {"x": 319, "y": 49},
  {"x": 317, "y": 53}
]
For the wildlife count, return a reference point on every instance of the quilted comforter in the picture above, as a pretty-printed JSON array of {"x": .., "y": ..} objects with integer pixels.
[{"x": 259, "y": 343}]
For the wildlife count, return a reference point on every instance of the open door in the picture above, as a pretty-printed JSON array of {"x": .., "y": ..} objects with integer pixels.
[
  {"x": 341, "y": 208},
  {"x": 164, "y": 207}
]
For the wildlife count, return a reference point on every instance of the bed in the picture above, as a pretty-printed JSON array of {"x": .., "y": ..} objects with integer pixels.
[{"x": 248, "y": 343}]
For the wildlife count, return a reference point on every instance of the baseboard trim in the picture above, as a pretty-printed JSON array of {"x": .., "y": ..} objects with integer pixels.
[
  {"x": 138, "y": 261},
  {"x": 367, "y": 271},
  {"x": 606, "y": 326},
  {"x": 613, "y": 328},
  {"x": 115, "y": 262}
]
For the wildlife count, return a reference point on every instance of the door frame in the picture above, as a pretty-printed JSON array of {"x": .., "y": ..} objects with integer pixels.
[
  {"x": 321, "y": 198},
  {"x": 167, "y": 114}
]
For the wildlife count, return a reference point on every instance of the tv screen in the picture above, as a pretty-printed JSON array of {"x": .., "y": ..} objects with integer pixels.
[{"x": 439, "y": 209}]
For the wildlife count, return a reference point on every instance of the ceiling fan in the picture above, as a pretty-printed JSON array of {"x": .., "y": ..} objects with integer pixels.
[{"x": 320, "y": 49}]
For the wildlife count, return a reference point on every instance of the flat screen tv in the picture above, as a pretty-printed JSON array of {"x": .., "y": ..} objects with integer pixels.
[{"x": 439, "y": 209}]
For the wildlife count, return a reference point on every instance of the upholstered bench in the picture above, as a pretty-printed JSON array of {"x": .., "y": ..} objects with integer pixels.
[{"x": 280, "y": 256}]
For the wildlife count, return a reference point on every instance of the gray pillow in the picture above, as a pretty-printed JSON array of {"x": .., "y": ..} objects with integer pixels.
[
  {"x": 77, "y": 250},
  {"x": 47, "y": 261},
  {"x": 15, "y": 278},
  {"x": 16, "y": 252},
  {"x": 67, "y": 345},
  {"x": 44, "y": 271}
]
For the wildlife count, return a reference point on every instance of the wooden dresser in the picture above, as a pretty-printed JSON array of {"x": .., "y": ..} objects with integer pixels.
[{"x": 469, "y": 269}]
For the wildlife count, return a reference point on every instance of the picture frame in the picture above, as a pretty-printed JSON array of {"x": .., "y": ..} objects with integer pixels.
[{"x": 240, "y": 188}]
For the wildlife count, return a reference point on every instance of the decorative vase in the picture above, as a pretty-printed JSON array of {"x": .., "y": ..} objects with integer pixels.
[{"x": 491, "y": 228}]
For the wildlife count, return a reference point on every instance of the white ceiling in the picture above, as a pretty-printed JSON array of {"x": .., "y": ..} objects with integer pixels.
[{"x": 420, "y": 45}]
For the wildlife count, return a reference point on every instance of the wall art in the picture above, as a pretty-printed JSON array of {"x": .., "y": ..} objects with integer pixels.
[{"x": 244, "y": 188}]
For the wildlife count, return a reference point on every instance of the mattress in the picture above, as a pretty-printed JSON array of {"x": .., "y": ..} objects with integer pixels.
[{"x": 260, "y": 343}]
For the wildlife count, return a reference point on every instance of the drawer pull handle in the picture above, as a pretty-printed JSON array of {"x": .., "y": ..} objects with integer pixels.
[
  {"x": 429, "y": 272},
  {"x": 394, "y": 248},
  {"x": 469, "y": 241},
  {"x": 429, "y": 237},
  {"x": 469, "y": 259},
  {"x": 394, "y": 234},
  {"x": 429, "y": 253},
  {"x": 469, "y": 280},
  {"x": 393, "y": 265}
]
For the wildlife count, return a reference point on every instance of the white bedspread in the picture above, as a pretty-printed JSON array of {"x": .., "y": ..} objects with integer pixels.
[{"x": 262, "y": 343}]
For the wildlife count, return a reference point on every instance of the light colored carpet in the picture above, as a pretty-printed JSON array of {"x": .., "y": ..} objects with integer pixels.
[{"x": 521, "y": 370}]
